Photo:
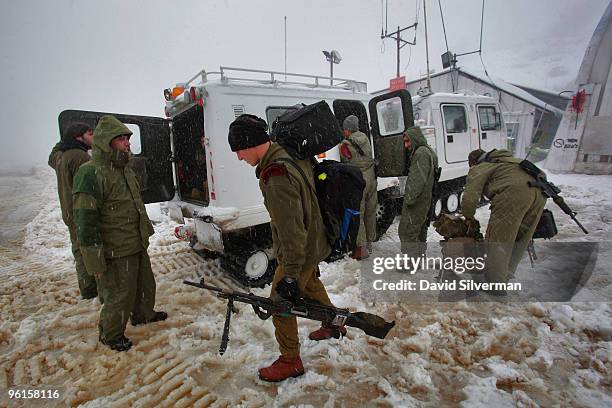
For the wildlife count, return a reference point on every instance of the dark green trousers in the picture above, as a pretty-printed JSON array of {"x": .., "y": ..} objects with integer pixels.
[
  {"x": 87, "y": 283},
  {"x": 128, "y": 288}
]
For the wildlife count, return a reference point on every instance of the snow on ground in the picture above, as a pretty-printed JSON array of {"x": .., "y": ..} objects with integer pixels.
[{"x": 456, "y": 354}]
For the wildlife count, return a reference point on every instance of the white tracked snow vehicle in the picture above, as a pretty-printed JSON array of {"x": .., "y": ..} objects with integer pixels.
[{"x": 185, "y": 158}]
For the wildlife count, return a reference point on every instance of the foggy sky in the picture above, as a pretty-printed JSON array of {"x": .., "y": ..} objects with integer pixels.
[{"x": 119, "y": 55}]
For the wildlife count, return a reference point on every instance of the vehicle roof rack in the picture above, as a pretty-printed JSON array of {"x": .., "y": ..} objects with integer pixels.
[{"x": 311, "y": 81}]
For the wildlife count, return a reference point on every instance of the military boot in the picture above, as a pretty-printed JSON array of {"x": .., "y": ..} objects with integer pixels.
[
  {"x": 121, "y": 343},
  {"x": 282, "y": 369},
  {"x": 324, "y": 333},
  {"x": 157, "y": 317},
  {"x": 360, "y": 252}
]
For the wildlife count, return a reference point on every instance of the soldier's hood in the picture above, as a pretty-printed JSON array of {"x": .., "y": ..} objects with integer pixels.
[
  {"x": 108, "y": 128},
  {"x": 497, "y": 154},
  {"x": 416, "y": 137}
]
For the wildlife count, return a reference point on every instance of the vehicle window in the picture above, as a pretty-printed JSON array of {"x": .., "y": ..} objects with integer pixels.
[
  {"x": 390, "y": 116},
  {"x": 135, "y": 146},
  {"x": 455, "y": 119},
  {"x": 273, "y": 112},
  {"x": 489, "y": 120}
]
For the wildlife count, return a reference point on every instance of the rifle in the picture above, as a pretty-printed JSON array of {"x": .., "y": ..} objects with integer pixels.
[
  {"x": 549, "y": 189},
  {"x": 263, "y": 307}
]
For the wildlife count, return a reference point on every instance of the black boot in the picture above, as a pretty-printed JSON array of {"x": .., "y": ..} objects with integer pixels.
[
  {"x": 157, "y": 317},
  {"x": 121, "y": 343}
]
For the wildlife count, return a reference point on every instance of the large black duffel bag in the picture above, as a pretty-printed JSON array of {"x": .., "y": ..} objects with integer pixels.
[{"x": 308, "y": 131}]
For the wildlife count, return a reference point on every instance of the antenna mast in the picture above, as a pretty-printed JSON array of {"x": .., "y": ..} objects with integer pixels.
[
  {"x": 426, "y": 46},
  {"x": 399, "y": 41}
]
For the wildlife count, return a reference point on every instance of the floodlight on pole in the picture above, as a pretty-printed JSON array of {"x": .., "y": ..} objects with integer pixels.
[{"x": 333, "y": 57}]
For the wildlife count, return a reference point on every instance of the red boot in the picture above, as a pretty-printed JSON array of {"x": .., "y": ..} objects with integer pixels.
[
  {"x": 324, "y": 333},
  {"x": 360, "y": 252},
  {"x": 282, "y": 369}
]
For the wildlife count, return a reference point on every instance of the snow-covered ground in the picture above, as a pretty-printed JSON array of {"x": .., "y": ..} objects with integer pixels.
[{"x": 458, "y": 354}]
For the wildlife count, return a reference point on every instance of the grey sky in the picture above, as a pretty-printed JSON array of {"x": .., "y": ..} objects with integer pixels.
[{"x": 118, "y": 55}]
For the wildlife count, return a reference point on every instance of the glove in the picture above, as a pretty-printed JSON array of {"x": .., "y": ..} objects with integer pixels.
[
  {"x": 473, "y": 228},
  {"x": 287, "y": 288}
]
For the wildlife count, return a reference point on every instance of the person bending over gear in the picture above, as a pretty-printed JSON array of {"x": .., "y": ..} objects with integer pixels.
[
  {"x": 357, "y": 150},
  {"x": 515, "y": 208},
  {"x": 414, "y": 221},
  {"x": 298, "y": 236},
  {"x": 66, "y": 158},
  {"x": 113, "y": 229}
]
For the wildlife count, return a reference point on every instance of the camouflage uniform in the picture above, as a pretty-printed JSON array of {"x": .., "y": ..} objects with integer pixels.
[
  {"x": 351, "y": 154},
  {"x": 515, "y": 210},
  {"x": 66, "y": 158},
  {"x": 298, "y": 235},
  {"x": 417, "y": 195},
  {"x": 114, "y": 229}
]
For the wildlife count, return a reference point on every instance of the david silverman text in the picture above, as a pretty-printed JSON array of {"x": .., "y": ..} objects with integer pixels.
[{"x": 403, "y": 284}]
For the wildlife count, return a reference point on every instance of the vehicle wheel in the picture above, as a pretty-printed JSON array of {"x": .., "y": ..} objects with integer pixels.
[
  {"x": 385, "y": 214},
  {"x": 438, "y": 208},
  {"x": 452, "y": 203},
  {"x": 252, "y": 269}
]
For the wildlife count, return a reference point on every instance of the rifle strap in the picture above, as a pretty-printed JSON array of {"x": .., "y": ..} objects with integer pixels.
[
  {"x": 299, "y": 169},
  {"x": 356, "y": 146}
]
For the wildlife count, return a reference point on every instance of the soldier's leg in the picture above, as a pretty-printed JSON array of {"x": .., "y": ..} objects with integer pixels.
[
  {"x": 145, "y": 291},
  {"x": 409, "y": 235},
  {"x": 370, "y": 211},
  {"x": 312, "y": 287},
  {"x": 526, "y": 230},
  {"x": 87, "y": 283},
  {"x": 285, "y": 327},
  {"x": 118, "y": 286},
  {"x": 503, "y": 227},
  {"x": 361, "y": 235}
]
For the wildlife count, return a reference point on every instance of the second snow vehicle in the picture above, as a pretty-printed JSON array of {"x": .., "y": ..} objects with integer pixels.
[
  {"x": 185, "y": 158},
  {"x": 454, "y": 125}
]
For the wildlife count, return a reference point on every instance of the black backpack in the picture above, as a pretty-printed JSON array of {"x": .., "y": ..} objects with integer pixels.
[
  {"x": 308, "y": 131},
  {"x": 339, "y": 189}
]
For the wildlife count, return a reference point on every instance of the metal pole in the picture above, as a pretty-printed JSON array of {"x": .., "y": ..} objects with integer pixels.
[
  {"x": 331, "y": 72},
  {"x": 285, "y": 48},
  {"x": 398, "y": 52},
  {"x": 426, "y": 45}
]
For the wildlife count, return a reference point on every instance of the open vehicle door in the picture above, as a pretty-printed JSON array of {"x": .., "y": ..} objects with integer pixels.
[
  {"x": 152, "y": 161},
  {"x": 347, "y": 107},
  {"x": 391, "y": 114}
]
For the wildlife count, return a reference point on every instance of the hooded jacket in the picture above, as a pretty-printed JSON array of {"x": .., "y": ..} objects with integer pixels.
[
  {"x": 65, "y": 158},
  {"x": 109, "y": 213},
  {"x": 420, "y": 179},
  {"x": 350, "y": 153},
  {"x": 498, "y": 176},
  {"x": 298, "y": 233}
]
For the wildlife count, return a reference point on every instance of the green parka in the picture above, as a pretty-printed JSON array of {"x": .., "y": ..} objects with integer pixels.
[
  {"x": 298, "y": 234},
  {"x": 66, "y": 163},
  {"x": 499, "y": 174},
  {"x": 110, "y": 215},
  {"x": 419, "y": 183},
  {"x": 349, "y": 153}
]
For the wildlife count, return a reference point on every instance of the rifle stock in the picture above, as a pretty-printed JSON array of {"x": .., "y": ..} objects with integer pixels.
[{"x": 370, "y": 324}]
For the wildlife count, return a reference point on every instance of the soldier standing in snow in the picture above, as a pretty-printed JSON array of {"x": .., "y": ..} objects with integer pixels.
[
  {"x": 298, "y": 236},
  {"x": 66, "y": 158},
  {"x": 414, "y": 222},
  {"x": 516, "y": 208},
  {"x": 113, "y": 229},
  {"x": 356, "y": 150}
]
